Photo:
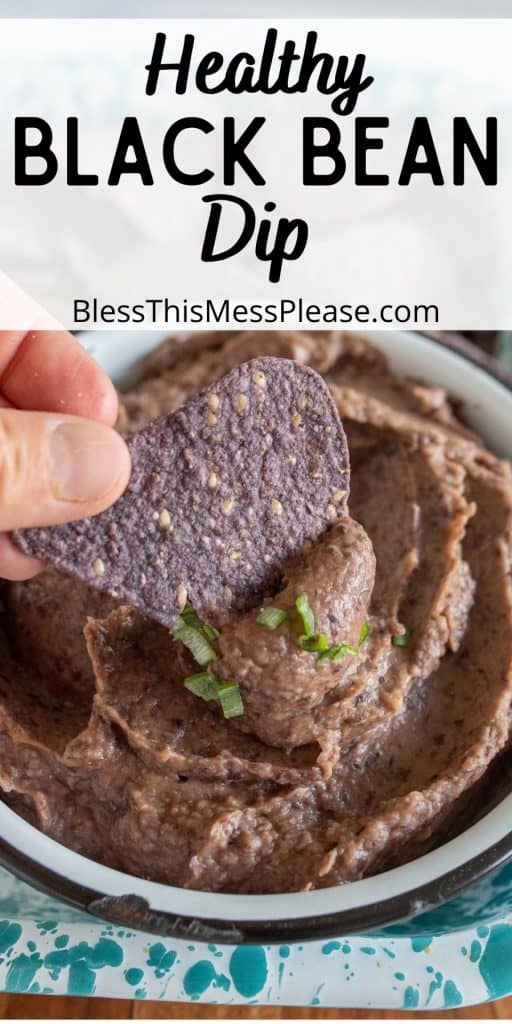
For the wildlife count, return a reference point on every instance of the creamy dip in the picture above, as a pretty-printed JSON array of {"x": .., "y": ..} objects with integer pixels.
[{"x": 336, "y": 769}]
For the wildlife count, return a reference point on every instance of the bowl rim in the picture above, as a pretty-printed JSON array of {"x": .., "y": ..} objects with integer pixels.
[
  {"x": 130, "y": 909},
  {"x": 135, "y": 912}
]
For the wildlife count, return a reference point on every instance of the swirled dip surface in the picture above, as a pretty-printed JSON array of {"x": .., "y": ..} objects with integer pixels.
[{"x": 336, "y": 769}]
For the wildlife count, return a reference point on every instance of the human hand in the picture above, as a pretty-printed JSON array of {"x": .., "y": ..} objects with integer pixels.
[{"x": 60, "y": 459}]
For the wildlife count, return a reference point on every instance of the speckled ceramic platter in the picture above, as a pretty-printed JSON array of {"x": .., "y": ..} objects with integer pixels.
[{"x": 46, "y": 947}]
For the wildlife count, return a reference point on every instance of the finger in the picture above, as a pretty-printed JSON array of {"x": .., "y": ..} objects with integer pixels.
[
  {"x": 57, "y": 468},
  {"x": 49, "y": 371},
  {"x": 14, "y": 565}
]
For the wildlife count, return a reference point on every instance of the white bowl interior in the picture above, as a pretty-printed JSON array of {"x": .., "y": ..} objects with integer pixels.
[{"x": 488, "y": 408}]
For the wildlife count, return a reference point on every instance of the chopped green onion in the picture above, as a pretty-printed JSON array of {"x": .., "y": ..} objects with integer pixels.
[
  {"x": 318, "y": 643},
  {"x": 196, "y": 635},
  {"x": 230, "y": 699},
  {"x": 348, "y": 649},
  {"x": 336, "y": 653},
  {"x": 197, "y": 643},
  {"x": 271, "y": 618},
  {"x": 402, "y": 639},
  {"x": 306, "y": 613},
  {"x": 203, "y": 685},
  {"x": 210, "y": 632},
  {"x": 226, "y": 692},
  {"x": 365, "y": 629},
  {"x": 324, "y": 658},
  {"x": 190, "y": 617}
]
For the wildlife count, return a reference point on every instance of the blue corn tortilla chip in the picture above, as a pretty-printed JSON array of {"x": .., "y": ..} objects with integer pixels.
[{"x": 222, "y": 492}]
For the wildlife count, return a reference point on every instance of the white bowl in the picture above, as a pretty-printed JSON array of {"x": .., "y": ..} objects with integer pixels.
[{"x": 344, "y": 909}]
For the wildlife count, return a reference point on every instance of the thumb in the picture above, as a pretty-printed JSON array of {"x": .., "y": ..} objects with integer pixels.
[{"x": 57, "y": 468}]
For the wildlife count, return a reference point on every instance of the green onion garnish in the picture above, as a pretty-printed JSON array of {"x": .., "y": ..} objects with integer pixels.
[
  {"x": 402, "y": 639},
  {"x": 196, "y": 635},
  {"x": 198, "y": 645},
  {"x": 210, "y": 632},
  {"x": 271, "y": 618},
  {"x": 230, "y": 698},
  {"x": 190, "y": 617},
  {"x": 324, "y": 658},
  {"x": 348, "y": 649},
  {"x": 336, "y": 653},
  {"x": 318, "y": 642},
  {"x": 365, "y": 629},
  {"x": 206, "y": 686},
  {"x": 306, "y": 613},
  {"x": 203, "y": 685}
]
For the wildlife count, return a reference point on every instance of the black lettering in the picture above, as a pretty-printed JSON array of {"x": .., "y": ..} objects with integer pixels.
[
  {"x": 184, "y": 177},
  {"x": 313, "y": 313},
  {"x": 234, "y": 151},
  {"x": 311, "y": 150},
  {"x": 209, "y": 65},
  {"x": 355, "y": 84},
  {"x": 348, "y": 84},
  {"x": 278, "y": 252},
  {"x": 486, "y": 162},
  {"x": 287, "y": 308},
  {"x": 362, "y": 314},
  {"x": 123, "y": 314},
  {"x": 73, "y": 174},
  {"x": 130, "y": 138},
  {"x": 243, "y": 62},
  {"x": 156, "y": 65},
  {"x": 362, "y": 144},
  {"x": 81, "y": 311},
  {"x": 24, "y": 150},
  {"x": 263, "y": 84},
  {"x": 421, "y": 138},
  {"x": 208, "y": 254},
  {"x": 138, "y": 313}
]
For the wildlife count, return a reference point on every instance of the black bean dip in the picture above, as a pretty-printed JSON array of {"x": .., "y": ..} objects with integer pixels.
[{"x": 338, "y": 767}]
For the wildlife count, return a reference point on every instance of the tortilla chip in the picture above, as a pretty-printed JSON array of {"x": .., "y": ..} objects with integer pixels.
[{"x": 222, "y": 492}]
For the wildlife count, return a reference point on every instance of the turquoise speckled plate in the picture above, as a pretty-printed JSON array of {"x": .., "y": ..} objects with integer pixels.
[{"x": 47, "y": 947}]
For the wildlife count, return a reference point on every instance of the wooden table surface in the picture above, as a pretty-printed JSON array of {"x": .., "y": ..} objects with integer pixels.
[{"x": 52, "y": 1007}]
